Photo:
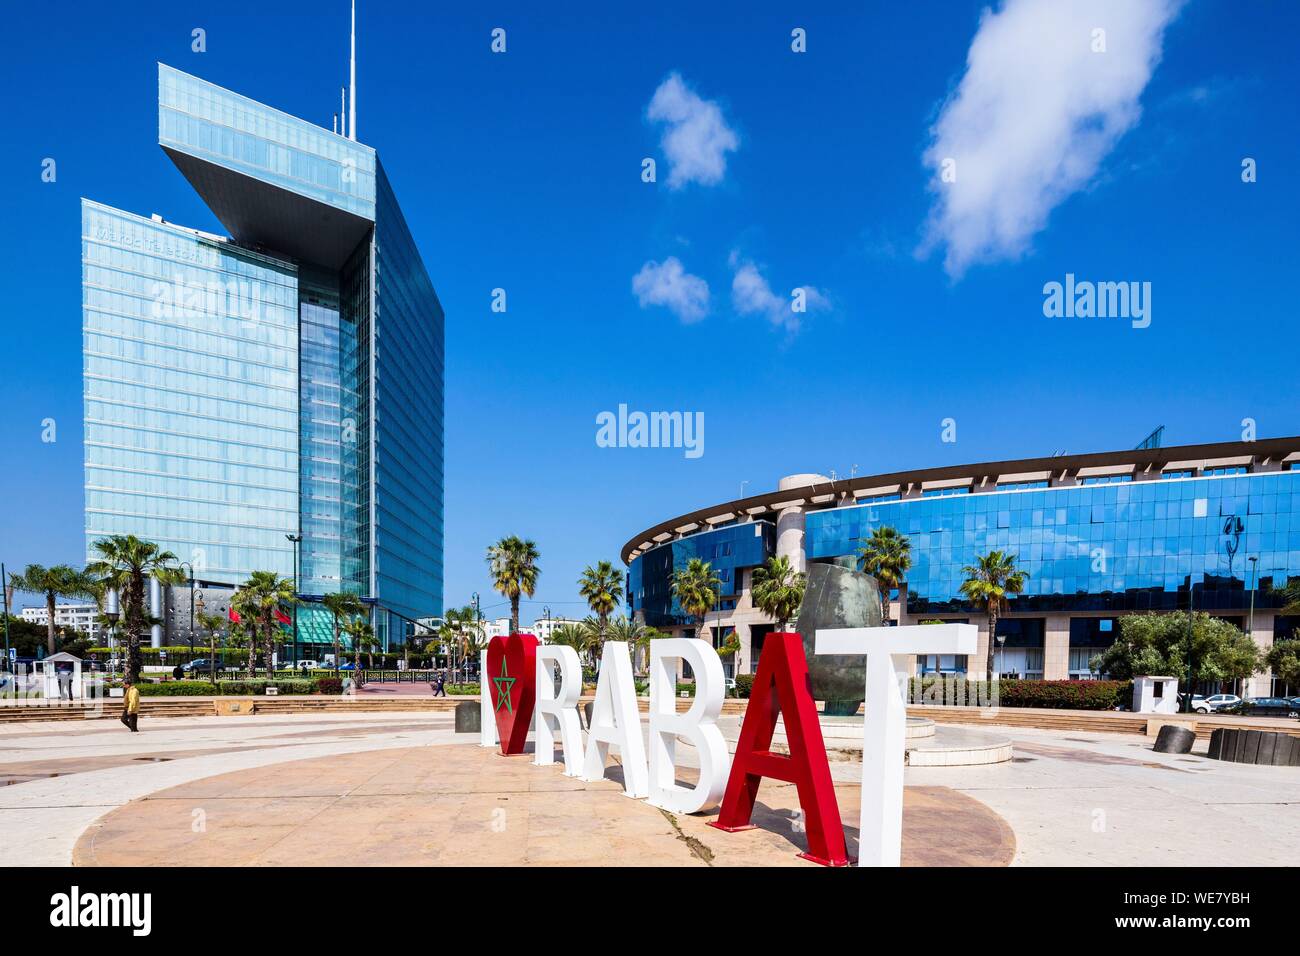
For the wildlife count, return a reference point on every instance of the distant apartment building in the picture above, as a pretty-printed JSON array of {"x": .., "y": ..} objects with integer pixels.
[{"x": 74, "y": 617}]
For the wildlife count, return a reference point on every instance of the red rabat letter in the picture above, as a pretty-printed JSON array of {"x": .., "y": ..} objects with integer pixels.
[
  {"x": 511, "y": 681},
  {"x": 781, "y": 686}
]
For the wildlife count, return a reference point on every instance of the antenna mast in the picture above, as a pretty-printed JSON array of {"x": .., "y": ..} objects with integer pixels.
[{"x": 352, "y": 78}]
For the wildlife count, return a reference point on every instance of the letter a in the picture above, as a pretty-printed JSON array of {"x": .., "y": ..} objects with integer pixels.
[
  {"x": 616, "y": 720},
  {"x": 782, "y": 686}
]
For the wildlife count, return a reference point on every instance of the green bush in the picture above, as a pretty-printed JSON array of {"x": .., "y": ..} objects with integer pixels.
[
  {"x": 178, "y": 688},
  {"x": 328, "y": 685},
  {"x": 461, "y": 689},
  {"x": 744, "y": 685},
  {"x": 236, "y": 688},
  {"x": 1061, "y": 694}
]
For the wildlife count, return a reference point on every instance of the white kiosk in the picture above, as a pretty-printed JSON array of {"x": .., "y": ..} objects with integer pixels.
[
  {"x": 50, "y": 667},
  {"x": 1155, "y": 695}
]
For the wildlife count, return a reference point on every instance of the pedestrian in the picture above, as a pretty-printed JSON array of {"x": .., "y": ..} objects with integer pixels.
[
  {"x": 440, "y": 689},
  {"x": 131, "y": 707},
  {"x": 65, "y": 684},
  {"x": 177, "y": 672}
]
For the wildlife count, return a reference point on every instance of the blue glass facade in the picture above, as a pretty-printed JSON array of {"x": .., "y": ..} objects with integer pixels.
[
  {"x": 254, "y": 140},
  {"x": 1129, "y": 546},
  {"x": 729, "y": 550},
  {"x": 191, "y": 394},
  {"x": 236, "y": 396}
]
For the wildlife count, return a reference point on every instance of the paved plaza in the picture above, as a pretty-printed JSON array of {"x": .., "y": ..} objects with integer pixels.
[{"x": 404, "y": 789}]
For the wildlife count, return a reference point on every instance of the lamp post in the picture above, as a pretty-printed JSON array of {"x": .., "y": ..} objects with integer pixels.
[
  {"x": 297, "y": 540},
  {"x": 1250, "y": 623},
  {"x": 111, "y": 613},
  {"x": 4, "y": 586},
  {"x": 212, "y": 646},
  {"x": 1191, "y": 624},
  {"x": 546, "y": 610},
  {"x": 1002, "y": 662},
  {"x": 186, "y": 564}
]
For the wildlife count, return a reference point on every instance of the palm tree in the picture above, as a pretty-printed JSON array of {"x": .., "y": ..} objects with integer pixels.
[
  {"x": 363, "y": 639},
  {"x": 987, "y": 584},
  {"x": 696, "y": 588},
  {"x": 123, "y": 564},
  {"x": 602, "y": 586},
  {"x": 572, "y": 635},
  {"x": 264, "y": 594},
  {"x": 513, "y": 565},
  {"x": 887, "y": 557},
  {"x": 211, "y": 623},
  {"x": 56, "y": 582},
  {"x": 343, "y": 606},
  {"x": 778, "y": 589}
]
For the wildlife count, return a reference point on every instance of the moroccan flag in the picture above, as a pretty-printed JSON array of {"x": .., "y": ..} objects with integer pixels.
[
  {"x": 234, "y": 616},
  {"x": 282, "y": 617}
]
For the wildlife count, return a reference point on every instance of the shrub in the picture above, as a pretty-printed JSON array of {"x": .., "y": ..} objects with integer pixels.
[
  {"x": 236, "y": 688},
  {"x": 178, "y": 688},
  {"x": 328, "y": 685},
  {"x": 1062, "y": 694},
  {"x": 744, "y": 685},
  {"x": 461, "y": 689}
]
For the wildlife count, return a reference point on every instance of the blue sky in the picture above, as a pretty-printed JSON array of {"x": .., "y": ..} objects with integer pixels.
[{"x": 816, "y": 170}]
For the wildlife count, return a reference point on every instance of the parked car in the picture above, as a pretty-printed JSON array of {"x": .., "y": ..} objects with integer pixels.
[
  {"x": 1216, "y": 702},
  {"x": 199, "y": 666},
  {"x": 307, "y": 665},
  {"x": 347, "y": 666},
  {"x": 1265, "y": 707}
]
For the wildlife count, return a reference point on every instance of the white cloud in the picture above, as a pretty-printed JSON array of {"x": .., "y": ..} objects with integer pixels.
[
  {"x": 696, "y": 139},
  {"x": 668, "y": 284},
  {"x": 751, "y": 295},
  {"x": 1034, "y": 116}
]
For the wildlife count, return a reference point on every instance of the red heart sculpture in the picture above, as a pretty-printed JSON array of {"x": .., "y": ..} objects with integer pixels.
[{"x": 511, "y": 682}]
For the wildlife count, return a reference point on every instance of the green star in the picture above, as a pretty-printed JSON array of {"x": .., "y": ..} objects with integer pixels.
[{"x": 504, "y": 685}]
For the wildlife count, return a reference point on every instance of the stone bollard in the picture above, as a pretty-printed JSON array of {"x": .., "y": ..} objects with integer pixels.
[
  {"x": 467, "y": 717},
  {"x": 1174, "y": 739}
]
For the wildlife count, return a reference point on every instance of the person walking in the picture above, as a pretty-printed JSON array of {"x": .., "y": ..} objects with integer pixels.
[
  {"x": 439, "y": 689},
  {"x": 131, "y": 708},
  {"x": 65, "y": 683}
]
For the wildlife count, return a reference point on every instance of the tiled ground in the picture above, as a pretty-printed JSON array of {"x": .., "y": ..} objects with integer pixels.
[{"x": 464, "y": 805}]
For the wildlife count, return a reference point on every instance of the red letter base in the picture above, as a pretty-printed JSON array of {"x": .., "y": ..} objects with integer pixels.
[{"x": 781, "y": 686}]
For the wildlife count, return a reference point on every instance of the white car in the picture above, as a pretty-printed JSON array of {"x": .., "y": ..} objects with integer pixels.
[{"x": 1208, "y": 705}]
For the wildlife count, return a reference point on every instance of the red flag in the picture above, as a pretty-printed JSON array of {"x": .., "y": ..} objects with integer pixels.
[
  {"x": 234, "y": 616},
  {"x": 781, "y": 686},
  {"x": 282, "y": 617}
]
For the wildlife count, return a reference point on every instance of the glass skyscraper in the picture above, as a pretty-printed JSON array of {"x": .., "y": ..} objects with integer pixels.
[{"x": 285, "y": 380}]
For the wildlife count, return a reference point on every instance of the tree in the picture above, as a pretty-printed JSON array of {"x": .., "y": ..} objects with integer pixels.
[
  {"x": 987, "y": 584},
  {"x": 778, "y": 589},
  {"x": 343, "y": 606},
  {"x": 211, "y": 623},
  {"x": 696, "y": 588},
  {"x": 602, "y": 587},
  {"x": 1290, "y": 595},
  {"x": 264, "y": 595},
  {"x": 1156, "y": 643},
  {"x": 60, "y": 581},
  {"x": 512, "y": 562},
  {"x": 573, "y": 635},
  {"x": 363, "y": 639},
  {"x": 1283, "y": 659},
  {"x": 887, "y": 557},
  {"x": 124, "y": 562}
]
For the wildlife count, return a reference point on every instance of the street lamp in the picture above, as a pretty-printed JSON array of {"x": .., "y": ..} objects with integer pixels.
[
  {"x": 297, "y": 540},
  {"x": 546, "y": 610},
  {"x": 1191, "y": 622},
  {"x": 1250, "y": 626},
  {"x": 111, "y": 613},
  {"x": 212, "y": 646},
  {"x": 186, "y": 564},
  {"x": 1002, "y": 662}
]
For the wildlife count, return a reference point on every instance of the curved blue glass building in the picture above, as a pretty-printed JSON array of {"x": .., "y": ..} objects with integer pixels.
[
  {"x": 1100, "y": 535},
  {"x": 281, "y": 382}
]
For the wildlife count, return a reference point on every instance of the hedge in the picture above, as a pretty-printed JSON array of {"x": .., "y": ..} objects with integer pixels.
[
  {"x": 1061, "y": 694},
  {"x": 240, "y": 688}
]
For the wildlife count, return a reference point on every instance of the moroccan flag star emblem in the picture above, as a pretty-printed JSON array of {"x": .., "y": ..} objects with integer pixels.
[{"x": 504, "y": 684}]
